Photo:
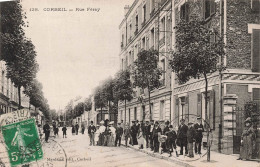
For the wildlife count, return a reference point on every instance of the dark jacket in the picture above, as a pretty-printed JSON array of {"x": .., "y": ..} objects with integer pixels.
[
  {"x": 46, "y": 128},
  {"x": 199, "y": 129},
  {"x": 64, "y": 129},
  {"x": 182, "y": 132},
  {"x": 190, "y": 135},
  {"x": 146, "y": 130},
  {"x": 149, "y": 130},
  {"x": 171, "y": 136},
  {"x": 166, "y": 129},
  {"x": 119, "y": 131},
  {"x": 91, "y": 129},
  {"x": 156, "y": 132},
  {"x": 134, "y": 130}
]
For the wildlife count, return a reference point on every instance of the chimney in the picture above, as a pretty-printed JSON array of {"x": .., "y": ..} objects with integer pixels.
[{"x": 126, "y": 8}]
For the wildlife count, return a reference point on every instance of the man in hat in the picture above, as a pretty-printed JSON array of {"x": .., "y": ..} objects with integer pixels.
[
  {"x": 198, "y": 135},
  {"x": 46, "y": 131},
  {"x": 134, "y": 131},
  {"x": 102, "y": 129},
  {"x": 77, "y": 128},
  {"x": 151, "y": 127},
  {"x": 190, "y": 138},
  {"x": 126, "y": 133},
  {"x": 119, "y": 133},
  {"x": 156, "y": 132},
  {"x": 91, "y": 133},
  {"x": 146, "y": 133},
  {"x": 182, "y": 136}
]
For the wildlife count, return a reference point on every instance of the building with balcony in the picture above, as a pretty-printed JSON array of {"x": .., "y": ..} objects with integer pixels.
[
  {"x": 238, "y": 22},
  {"x": 147, "y": 25}
]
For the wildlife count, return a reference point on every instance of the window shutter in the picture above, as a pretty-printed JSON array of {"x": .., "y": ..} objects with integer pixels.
[
  {"x": 186, "y": 108},
  {"x": 212, "y": 109},
  {"x": 255, "y": 5},
  {"x": 199, "y": 105},
  {"x": 255, "y": 44}
]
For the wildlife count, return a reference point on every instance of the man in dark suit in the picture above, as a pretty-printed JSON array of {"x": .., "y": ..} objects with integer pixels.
[
  {"x": 182, "y": 136},
  {"x": 46, "y": 131},
  {"x": 119, "y": 133},
  {"x": 91, "y": 133},
  {"x": 146, "y": 133},
  {"x": 156, "y": 132},
  {"x": 165, "y": 131},
  {"x": 134, "y": 131},
  {"x": 198, "y": 135},
  {"x": 151, "y": 127}
]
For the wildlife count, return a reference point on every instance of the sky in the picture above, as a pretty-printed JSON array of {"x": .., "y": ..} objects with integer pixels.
[{"x": 76, "y": 50}]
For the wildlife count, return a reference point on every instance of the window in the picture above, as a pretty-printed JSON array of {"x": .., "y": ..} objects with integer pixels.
[
  {"x": 135, "y": 113},
  {"x": 130, "y": 58},
  {"x": 184, "y": 13},
  {"x": 141, "y": 91},
  {"x": 162, "y": 110},
  {"x": 135, "y": 52},
  {"x": 122, "y": 42},
  {"x": 144, "y": 13},
  {"x": 129, "y": 115},
  {"x": 162, "y": 33},
  {"x": 3, "y": 81},
  {"x": 209, "y": 8},
  {"x": 7, "y": 90},
  {"x": 256, "y": 96},
  {"x": 152, "y": 38},
  {"x": 162, "y": 81},
  {"x": 130, "y": 31},
  {"x": 143, "y": 43},
  {"x": 136, "y": 21},
  {"x": 151, "y": 114},
  {"x": 143, "y": 110},
  {"x": 126, "y": 61},
  {"x": 255, "y": 50},
  {"x": 122, "y": 64},
  {"x": 255, "y": 5}
]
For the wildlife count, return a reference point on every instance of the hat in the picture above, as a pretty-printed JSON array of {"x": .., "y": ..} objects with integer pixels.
[
  {"x": 147, "y": 121},
  {"x": 102, "y": 122},
  {"x": 248, "y": 120},
  {"x": 170, "y": 126},
  {"x": 182, "y": 120},
  {"x": 91, "y": 122},
  {"x": 190, "y": 123},
  {"x": 119, "y": 123},
  {"x": 167, "y": 122},
  {"x": 133, "y": 121},
  {"x": 98, "y": 125},
  {"x": 156, "y": 122},
  {"x": 198, "y": 117},
  {"x": 152, "y": 120}
]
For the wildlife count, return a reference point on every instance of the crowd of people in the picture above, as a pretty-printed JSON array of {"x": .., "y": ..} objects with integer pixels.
[{"x": 150, "y": 134}]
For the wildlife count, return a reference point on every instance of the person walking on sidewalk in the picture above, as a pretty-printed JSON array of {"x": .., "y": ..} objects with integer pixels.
[
  {"x": 46, "y": 131},
  {"x": 190, "y": 139},
  {"x": 77, "y": 128},
  {"x": 198, "y": 135},
  {"x": 248, "y": 141},
  {"x": 140, "y": 138},
  {"x": 165, "y": 130},
  {"x": 73, "y": 130},
  {"x": 171, "y": 140},
  {"x": 82, "y": 129},
  {"x": 156, "y": 133},
  {"x": 64, "y": 131},
  {"x": 134, "y": 131},
  {"x": 182, "y": 136},
  {"x": 119, "y": 133},
  {"x": 151, "y": 127},
  {"x": 146, "y": 133},
  {"x": 91, "y": 133},
  {"x": 126, "y": 133}
]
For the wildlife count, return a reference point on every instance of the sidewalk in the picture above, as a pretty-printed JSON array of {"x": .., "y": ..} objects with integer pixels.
[{"x": 217, "y": 159}]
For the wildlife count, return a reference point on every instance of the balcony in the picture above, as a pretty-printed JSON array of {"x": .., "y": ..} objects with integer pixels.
[
  {"x": 162, "y": 41},
  {"x": 136, "y": 32}
]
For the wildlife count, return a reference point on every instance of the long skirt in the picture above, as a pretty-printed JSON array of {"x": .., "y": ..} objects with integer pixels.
[
  {"x": 111, "y": 140},
  {"x": 101, "y": 139}
]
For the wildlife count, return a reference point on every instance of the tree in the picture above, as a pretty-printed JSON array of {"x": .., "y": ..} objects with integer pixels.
[
  {"x": 69, "y": 111},
  {"x": 35, "y": 93},
  {"x": 196, "y": 54},
  {"x": 108, "y": 86},
  {"x": 146, "y": 72},
  {"x": 100, "y": 99},
  {"x": 22, "y": 70},
  {"x": 123, "y": 87},
  {"x": 88, "y": 104}
]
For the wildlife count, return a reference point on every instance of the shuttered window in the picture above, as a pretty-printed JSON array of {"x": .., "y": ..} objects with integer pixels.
[
  {"x": 185, "y": 12},
  {"x": 255, "y": 48}
]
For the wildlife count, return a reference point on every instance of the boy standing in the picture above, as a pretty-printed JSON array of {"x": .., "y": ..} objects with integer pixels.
[
  {"x": 171, "y": 140},
  {"x": 64, "y": 130}
]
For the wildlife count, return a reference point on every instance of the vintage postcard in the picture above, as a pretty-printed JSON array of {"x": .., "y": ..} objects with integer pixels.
[{"x": 97, "y": 83}]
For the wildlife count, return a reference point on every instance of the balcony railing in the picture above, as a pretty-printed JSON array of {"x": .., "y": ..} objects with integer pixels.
[{"x": 162, "y": 42}]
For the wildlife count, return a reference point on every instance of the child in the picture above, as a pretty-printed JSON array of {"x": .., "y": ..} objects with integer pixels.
[
  {"x": 64, "y": 130},
  {"x": 190, "y": 138},
  {"x": 171, "y": 140}
]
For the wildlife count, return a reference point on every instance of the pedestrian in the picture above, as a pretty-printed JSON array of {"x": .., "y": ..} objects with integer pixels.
[
  {"x": 151, "y": 127},
  {"x": 107, "y": 134},
  {"x": 73, "y": 130},
  {"x": 165, "y": 130},
  {"x": 102, "y": 129},
  {"x": 190, "y": 139},
  {"x": 157, "y": 131},
  {"x": 182, "y": 136},
  {"x": 91, "y": 133},
  {"x": 146, "y": 133},
  {"x": 171, "y": 140},
  {"x": 119, "y": 133},
  {"x": 97, "y": 134},
  {"x": 134, "y": 131},
  {"x": 126, "y": 133},
  {"x": 46, "y": 131},
  {"x": 77, "y": 128},
  {"x": 82, "y": 129},
  {"x": 140, "y": 138},
  {"x": 54, "y": 128},
  {"x": 64, "y": 130},
  {"x": 112, "y": 136},
  {"x": 248, "y": 141},
  {"x": 198, "y": 135},
  {"x": 56, "y": 131}
]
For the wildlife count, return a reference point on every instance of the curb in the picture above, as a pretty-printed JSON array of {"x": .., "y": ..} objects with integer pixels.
[{"x": 160, "y": 156}]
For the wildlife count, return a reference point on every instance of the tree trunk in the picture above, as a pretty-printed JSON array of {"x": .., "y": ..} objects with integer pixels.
[
  {"x": 125, "y": 112},
  {"x": 101, "y": 113},
  {"x": 149, "y": 99},
  {"x": 206, "y": 115},
  {"x": 19, "y": 97},
  {"x": 109, "y": 109}
]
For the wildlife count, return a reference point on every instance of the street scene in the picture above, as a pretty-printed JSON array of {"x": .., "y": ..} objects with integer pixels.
[{"x": 130, "y": 83}]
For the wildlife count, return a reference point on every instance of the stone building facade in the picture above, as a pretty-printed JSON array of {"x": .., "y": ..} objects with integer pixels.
[
  {"x": 238, "y": 22},
  {"x": 147, "y": 25}
]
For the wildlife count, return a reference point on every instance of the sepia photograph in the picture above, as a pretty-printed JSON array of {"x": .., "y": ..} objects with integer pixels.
[{"x": 129, "y": 83}]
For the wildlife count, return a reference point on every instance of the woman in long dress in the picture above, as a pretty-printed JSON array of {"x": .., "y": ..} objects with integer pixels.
[
  {"x": 248, "y": 141},
  {"x": 140, "y": 138},
  {"x": 111, "y": 142},
  {"x": 73, "y": 130}
]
